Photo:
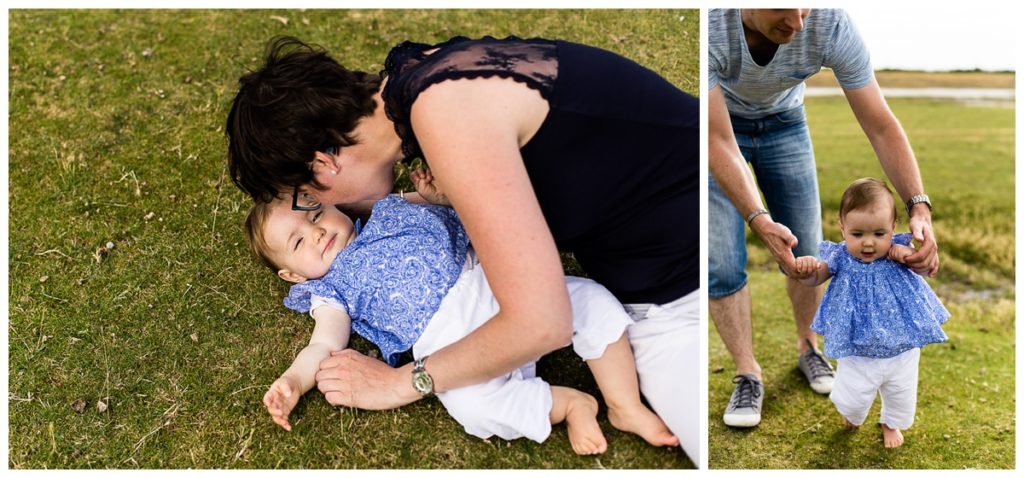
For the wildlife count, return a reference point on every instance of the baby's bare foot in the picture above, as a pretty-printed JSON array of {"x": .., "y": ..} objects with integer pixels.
[
  {"x": 584, "y": 432},
  {"x": 892, "y": 437},
  {"x": 639, "y": 420},
  {"x": 848, "y": 423}
]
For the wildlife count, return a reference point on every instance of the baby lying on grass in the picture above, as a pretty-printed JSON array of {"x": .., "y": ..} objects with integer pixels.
[{"x": 409, "y": 279}]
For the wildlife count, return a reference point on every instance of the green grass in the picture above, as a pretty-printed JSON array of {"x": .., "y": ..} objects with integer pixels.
[
  {"x": 116, "y": 136},
  {"x": 965, "y": 415}
]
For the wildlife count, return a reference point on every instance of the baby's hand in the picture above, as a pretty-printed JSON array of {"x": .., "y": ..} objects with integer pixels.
[
  {"x": 280, "y": 399},
  {"x": 428, "y": 188},
  {"x": 899, "y": 253},
  {"x": 807, "y": 266}
]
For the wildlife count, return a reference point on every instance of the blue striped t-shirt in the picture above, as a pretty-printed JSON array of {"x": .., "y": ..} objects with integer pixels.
[{"x": 829, "y": 39}]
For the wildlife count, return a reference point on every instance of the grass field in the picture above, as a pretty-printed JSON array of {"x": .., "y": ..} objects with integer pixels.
[
  {"x": 141, "y": 332},
  {"x": 965, "y": 415}
]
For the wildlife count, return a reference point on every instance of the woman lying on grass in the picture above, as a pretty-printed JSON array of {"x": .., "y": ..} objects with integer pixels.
[
  {"x": 410, "y": 280},
  {"x": 540, "y": 145}
]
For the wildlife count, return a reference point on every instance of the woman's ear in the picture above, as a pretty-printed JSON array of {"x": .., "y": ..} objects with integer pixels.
[
  {"x": 290, "y": 276},
  {"x": 328, "y": 163}
]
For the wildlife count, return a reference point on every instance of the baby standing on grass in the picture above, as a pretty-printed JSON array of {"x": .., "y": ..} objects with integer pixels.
[
  {"x": 876, "y": 314},
  {"x": 409, "y": 279}
]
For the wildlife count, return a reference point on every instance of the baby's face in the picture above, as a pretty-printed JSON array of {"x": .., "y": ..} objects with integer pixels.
[
  {"x": 868, "y": 232},
  {"x": 304, "y": 243}
]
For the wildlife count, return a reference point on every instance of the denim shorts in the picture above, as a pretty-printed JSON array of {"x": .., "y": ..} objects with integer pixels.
[{"x": 778, "y": 148}]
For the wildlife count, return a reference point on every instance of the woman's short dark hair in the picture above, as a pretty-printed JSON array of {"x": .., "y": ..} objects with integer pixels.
[{"x": 300, "y": 102}]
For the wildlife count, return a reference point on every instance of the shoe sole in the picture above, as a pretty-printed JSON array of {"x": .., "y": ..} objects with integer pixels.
[
  {"x": 822, "y": 388},
  {"x": 742, "y": 421}
]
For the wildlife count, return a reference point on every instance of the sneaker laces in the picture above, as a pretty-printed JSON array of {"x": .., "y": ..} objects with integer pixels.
[
  {"x": 746, "y": 390},
  {"x": 816, "y": 362}
]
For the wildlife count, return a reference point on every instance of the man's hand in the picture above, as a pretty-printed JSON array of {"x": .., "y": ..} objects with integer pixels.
[
  {"x": 780, "y": 241},
  {"x": 428, "y": 188},
  {"x": 926, "y": 260},
  {"x": 351, "y": 379},
  {"x": 280, "y": 399}
]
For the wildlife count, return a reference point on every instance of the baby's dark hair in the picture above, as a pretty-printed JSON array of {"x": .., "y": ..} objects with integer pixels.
[
  {"x": 865, "y": 193},
  {"x": 255, "y": 223}
]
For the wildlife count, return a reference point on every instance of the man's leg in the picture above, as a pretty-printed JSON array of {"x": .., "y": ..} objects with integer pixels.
[
  {"x": 731, "y": 315},
  {"x": 785, "y": 171},
  {"x": 730, "y": 305},
  {"x": 805, "y": 302}
]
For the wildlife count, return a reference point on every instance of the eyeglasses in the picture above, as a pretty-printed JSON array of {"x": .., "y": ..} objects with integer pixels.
[{"x": 303, "y": 201}]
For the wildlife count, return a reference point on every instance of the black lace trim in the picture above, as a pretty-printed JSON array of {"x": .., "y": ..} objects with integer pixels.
[{"x": 410, "y": 71}]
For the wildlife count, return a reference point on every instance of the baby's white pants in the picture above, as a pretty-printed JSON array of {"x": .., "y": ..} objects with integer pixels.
[
  {"x": 517, "y": 404},
  {"x": 859, "y": 379}
]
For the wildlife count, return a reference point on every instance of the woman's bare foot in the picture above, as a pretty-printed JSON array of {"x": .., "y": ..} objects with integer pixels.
[
  {"x": 581, "y": 420},
  {"x": 639, "y": 420},
  {"x": 848, "y": 423},
  {"x": 892, "y": 437}
]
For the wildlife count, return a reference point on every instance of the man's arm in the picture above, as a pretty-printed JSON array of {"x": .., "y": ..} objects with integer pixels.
[
  {"x": 734, "y": 177},
  {"x": 895, "y": 155}
]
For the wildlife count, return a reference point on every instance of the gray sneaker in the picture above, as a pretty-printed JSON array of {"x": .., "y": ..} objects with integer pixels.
[
  {"x": 744, "y": 409},
  {"x": 817, "y": 370}
]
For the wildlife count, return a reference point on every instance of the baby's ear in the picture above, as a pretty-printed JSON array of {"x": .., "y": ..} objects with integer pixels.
[{"x": 291, "y": 276}]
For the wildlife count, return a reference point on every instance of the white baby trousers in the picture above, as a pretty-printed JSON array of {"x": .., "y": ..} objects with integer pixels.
[
  {"x": 517, "y": 404},
  {"x": 859, "y": 379}
]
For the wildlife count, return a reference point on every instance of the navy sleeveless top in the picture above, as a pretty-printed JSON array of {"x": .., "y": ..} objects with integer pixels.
[{"x": 615, "y": 164}]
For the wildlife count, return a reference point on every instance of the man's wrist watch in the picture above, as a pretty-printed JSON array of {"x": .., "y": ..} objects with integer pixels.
[
  {"x": 916, "y": 199},
  {"x": 421, "y": 380}
]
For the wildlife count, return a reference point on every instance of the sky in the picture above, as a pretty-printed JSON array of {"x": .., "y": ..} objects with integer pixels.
[{"x": 938, "y": 38}]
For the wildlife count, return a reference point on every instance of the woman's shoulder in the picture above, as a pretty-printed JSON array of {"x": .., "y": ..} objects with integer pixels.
[
  {"x": 412, "y": 68},
  {"x": 480, "y": 53}
]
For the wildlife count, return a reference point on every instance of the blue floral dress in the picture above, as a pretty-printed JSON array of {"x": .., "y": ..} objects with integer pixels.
[
  {"x": 392, "y": 277},
  {"x": 878, "y": 309}
]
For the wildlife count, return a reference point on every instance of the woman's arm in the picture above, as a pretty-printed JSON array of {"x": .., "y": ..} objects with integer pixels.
[
  {"x": 471, "y": 131},
  {"x": 892, "y": 147}
]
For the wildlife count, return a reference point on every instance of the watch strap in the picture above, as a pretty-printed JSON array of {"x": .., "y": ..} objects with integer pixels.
[{"x": 916, "y": 199}]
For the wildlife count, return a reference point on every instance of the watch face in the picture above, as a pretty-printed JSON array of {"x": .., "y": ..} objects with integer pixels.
[{"x": 423, "y": 383}]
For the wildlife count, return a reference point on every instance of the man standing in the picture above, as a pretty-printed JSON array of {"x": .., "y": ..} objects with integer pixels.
[{"x": 758, "y": 61}]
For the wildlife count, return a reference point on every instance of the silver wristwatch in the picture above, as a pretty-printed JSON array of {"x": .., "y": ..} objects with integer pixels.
[
  {"x": 919, "y": 198},
  {"x": 421, "y": 380}
]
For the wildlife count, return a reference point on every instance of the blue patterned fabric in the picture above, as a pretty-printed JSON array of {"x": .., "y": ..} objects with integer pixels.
[
  {"x": 392, "y": 277},
  {"x": 878, "y": 309}
]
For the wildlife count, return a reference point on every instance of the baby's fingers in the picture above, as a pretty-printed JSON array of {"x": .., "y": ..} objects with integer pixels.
[
  {"x": 282, "y": 421},
  {"x": 283, "y": 387}
]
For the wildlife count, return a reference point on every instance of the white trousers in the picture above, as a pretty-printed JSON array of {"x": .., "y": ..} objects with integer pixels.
[
  {"x": 666, "y": 343},
  {"x": 859, "y": 379},
  {"x": 517, "y": 404}
]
